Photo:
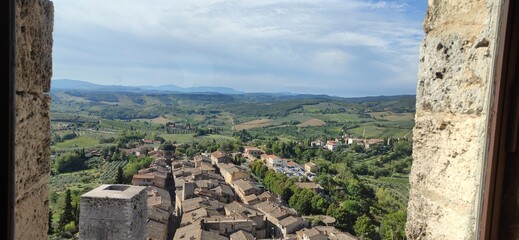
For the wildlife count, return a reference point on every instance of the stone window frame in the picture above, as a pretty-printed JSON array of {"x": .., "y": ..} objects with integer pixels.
[{"x": 501, "y": 141}]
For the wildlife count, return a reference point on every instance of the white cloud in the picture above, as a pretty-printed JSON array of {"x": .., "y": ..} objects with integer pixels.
[{"x": 213, "y": 41}]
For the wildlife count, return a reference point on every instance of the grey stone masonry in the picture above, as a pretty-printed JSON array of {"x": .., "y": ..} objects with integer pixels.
[
  {"x": 113, "y": 211},
  {"x": 34, "y": 25},
  {"x": 452, "y": 108}
]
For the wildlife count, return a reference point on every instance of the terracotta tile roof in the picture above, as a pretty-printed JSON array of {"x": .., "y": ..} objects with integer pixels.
[{"x": 217, "y": 154}]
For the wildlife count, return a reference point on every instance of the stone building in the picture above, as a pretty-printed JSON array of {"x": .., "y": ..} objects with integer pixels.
[
  {"x": 113, "y": 212},
  {"x": 252, "y": 152},
  {"x": 323, "y": 233},
  {"x": 311, "y": 167},
  {"x": 463, "y": 153},
  {"x": 219, "y": 157},
  {"x": 231, "y": 172}
]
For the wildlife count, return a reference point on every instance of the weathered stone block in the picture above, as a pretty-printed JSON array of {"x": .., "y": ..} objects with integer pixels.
[
  {"x": 32, "y": 150},
  {"x": 452, "y": 108},
  {"x": 31, "y": 213},
  {"x": 113, "y": 212},
  {"x": 445, "y": 182},
  {"x": 34, "y": 25},
  {"x": 465, "y": 17},
  {"x": 453, "y": 74}
]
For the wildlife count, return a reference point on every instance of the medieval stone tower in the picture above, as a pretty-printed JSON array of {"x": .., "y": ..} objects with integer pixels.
[{"x": 113, "y": 212}]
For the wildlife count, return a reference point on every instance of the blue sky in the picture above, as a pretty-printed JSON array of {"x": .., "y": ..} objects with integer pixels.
[{"x": 343, "y": 48}]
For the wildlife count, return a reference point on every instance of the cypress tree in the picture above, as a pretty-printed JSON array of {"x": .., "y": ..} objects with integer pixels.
[
  {"x": 120, "y": 176},
  {"x": 50, "y": 230},
  {"x": 68, "y": 212},
  {"x": 76, "y": 214}
]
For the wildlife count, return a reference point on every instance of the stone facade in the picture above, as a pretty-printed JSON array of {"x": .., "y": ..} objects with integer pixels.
[
  {"x": 34, "y": 24},
  {"x": 452, "y": 108},
  {"x": 113, "y": 212}
]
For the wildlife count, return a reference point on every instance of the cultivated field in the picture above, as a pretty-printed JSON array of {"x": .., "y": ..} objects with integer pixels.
[
  {"x": 391, "y": 116},
  {"x": 252, "y": 124},
  {"x": 157, "y": 120},
  {"x": 312, "y": 123}
]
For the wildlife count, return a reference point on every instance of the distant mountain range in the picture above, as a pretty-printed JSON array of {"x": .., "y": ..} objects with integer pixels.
[
  {"x": 63, "y": 84},
  {"x": 77, "y": 85}
]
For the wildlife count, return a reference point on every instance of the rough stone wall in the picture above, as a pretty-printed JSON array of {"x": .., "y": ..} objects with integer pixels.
[
  {"x": 34, "y": 24},
  {"x": 455, "y": 72},
  {"x": 111, "y": 218}
]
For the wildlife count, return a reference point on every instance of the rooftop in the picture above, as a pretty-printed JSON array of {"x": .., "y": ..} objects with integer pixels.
[
  {"x": 230, "y": 168},
  {"x": 310, "y": 164},
  {"x": 292, "y": 164},
  {"x": 334, "y": 233},
  {"x": 115, "y": 191},
  {"x": 243, "y": 185},
  {"x": 223, "y": 189},
  {"x": 156, "y": 230},
  {"x": 266, "y": 195},
  {"x": 242, "y": 235},
  {"x": 236, "y": 207},
  {"x": 193, "y": 231},
  {"x": 312, "y": 233},
  {"x": 193, "y": 216},
  {"x": 206, "y": 167},
  {"x": 250, "y": 198},
  {"x": 251, "y": 149},
  {"x": 272, "y": 156},
  {"x": 289, "y": 221},
  {"x": 217, "y": 154},
  {"x": 273, "y": 209}
]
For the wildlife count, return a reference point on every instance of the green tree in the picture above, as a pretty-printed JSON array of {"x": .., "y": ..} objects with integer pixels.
[
  {"x": 286, "y": 194},
  {"x": 50, "y": 230},
  {"x": 393, "y": 226},
  {"x": 70, "y": 227},
  {"x": 105, "y": 152},
  {"x": 134, "y": 165},
  {"x": 347, "y": 213},
  {"x": 319, "y": 204},
  {"x": 119, "y": 179},
  {"x": 364, "y": 228},
  {"x": 236, "y": 159},
  {"x": 69, "y": 136},
  {"x": 403, "y": 148},
  {"x": 301, "y": 201},
  {"x": 386, "y": 201},
  {"x": 76, "y": 214},
  {"x": 113, "y": 157},
  {"x": 69, "y": 162},
  {"x": 68, "y": 211},
  {"x": 82, "y": 153},
  {"x": 168, "y": 147},
  {"x": 122, "y": 156}
]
